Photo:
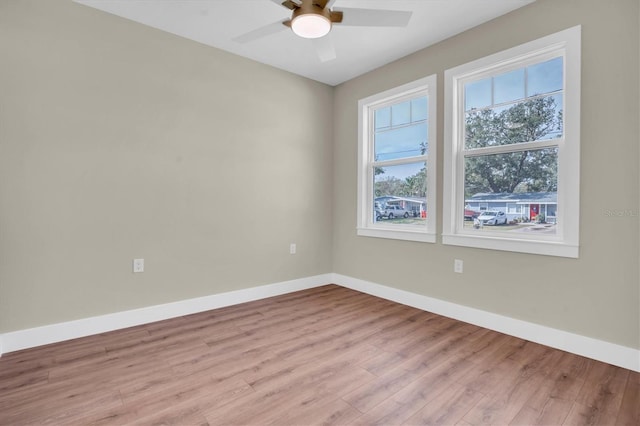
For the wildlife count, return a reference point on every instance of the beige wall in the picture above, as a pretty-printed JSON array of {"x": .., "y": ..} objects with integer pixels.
[
  {"x": 596, "y": 295},
  {"x": 119, "y": 141}
]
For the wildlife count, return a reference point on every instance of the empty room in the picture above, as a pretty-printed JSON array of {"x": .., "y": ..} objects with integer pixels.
[{"x": 304, "y": 212}]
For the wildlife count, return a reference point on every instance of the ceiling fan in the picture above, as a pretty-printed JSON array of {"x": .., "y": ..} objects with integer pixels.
[{"x": 313, "y": 19}]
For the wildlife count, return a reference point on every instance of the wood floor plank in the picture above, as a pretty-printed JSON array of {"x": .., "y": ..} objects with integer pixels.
[
  {"x": 492, "y": 378},
  {"x": 63, "y": 408},
  {"x": 411, "y": 337},
  {"x": 335, "y": 412},
  {"x": 180, "y": 415},
  {"x": 448, "y": 408},
  {"x": 327, "y": 355},
  {"x": 442, "y": 350},
  {"x": 584, "y": 415},
  {"x": 568, "y": 374},
  {"x": 452, "y": 341},
  {"x": 597, "y": 403},
  {"x": 508, "y": 389},
  {"x": 630, "y": 408},
  {"x": 420, "y": 392},
  {"x": 382, "y": 362},
  {"x": 185, "y": 392},
  {"x": 275, "y": 379},
  {"x": 373, "y": 393},
  {"x": 23, "y": 379},
  {"x": 554, "y": 411},
  {"x": 412, "y": 325},
  {"x": 314, "y": 388},
  {"x": 352, "y": 350}
]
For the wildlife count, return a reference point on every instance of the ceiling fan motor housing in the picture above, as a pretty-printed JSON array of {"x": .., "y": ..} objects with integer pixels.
[
  {"x": 310, "y": 7},
  {"x": 311, "y": 20}
]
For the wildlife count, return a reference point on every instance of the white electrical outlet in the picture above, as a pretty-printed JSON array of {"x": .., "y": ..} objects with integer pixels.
[
  {"x": 292, "y": 248},
  {"x": 138, "y": 265},
  {"x": 457, "y": 266}
]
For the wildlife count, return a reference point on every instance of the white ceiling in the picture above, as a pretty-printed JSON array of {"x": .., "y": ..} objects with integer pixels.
[{"x": 358, "y": 49}]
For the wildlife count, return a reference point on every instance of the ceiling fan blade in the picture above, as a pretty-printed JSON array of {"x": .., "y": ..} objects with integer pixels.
[
  {"x": 375, "y": 17},
  {"x": 324, "y": 48},
  {"x": 264, "y": 31},
  {"x": 289, "y": 4},
  {"x": 336, "y": 17},
  {"x": 330, "y": 3}
]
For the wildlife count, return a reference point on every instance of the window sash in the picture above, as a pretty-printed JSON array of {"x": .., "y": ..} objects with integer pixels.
[
  {"x": 565, "y": 242},
  {"x": 516, "y": 147},
  {"x": 366, "y": 226}
]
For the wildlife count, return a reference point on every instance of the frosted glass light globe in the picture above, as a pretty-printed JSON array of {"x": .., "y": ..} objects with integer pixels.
[{"x": 311, "y": 25}]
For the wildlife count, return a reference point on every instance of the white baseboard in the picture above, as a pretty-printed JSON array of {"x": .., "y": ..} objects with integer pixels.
[
  {"x": 24, "y": 339},
  {"x": 600, "y": 350},
  {"x": 611, "y": 353}
]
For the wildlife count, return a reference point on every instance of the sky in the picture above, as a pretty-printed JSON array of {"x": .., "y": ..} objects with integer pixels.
[{"x": 400, "y": 129}]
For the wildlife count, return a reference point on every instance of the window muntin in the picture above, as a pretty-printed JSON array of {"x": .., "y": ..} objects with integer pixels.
[
  {"x": 400, "y": 132},
  {"x": 400, "y": 182},
  {"x": 513, "y": 134},
  {"x": 396, "y": 182}
]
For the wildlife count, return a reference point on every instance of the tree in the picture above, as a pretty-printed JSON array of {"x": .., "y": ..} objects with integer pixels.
[
  {"x": 412, "y": 186},
  {"x": 519, "y": 171},
  {"x": 390, "y": 185},
  {"x": 416, "y": 185}
]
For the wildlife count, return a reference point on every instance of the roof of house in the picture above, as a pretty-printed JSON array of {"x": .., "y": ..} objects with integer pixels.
[
  {"x": 394, "y": 198},
  {"x": 518, "y": 197}
]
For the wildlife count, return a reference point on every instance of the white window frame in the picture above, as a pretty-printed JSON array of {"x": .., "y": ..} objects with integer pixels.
[
  {"x": 366, "y": 226},
  {"x": 565, "y": 242}
]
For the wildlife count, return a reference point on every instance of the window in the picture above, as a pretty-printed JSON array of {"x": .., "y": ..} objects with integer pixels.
[
  {"x": 396, "y": 168},
  {"x": 512, "y": 146}
]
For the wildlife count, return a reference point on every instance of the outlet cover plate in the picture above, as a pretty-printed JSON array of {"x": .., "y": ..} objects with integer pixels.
[{"x": 138, "y": 265}]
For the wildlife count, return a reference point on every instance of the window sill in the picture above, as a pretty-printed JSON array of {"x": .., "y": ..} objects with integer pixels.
[
  {"x": 546, "y": 248},
  {"x": 399, "y": 234}
]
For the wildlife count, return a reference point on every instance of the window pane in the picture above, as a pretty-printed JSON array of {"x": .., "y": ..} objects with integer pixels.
[
  {"x": 403, "y": 142},
  {"x": 400, "y": 194},
  {"x": 508, "y": 87},
  {"x": 545, "y": 77},
  {"x": 401, "y": 113},
  {"x": 532, "y": 120},
  {"x": 477, "y": 94},
  {"x": 519, "y": 189},
  {"x": 383, "y": 118},
  {"x": 419, "y": 109}
]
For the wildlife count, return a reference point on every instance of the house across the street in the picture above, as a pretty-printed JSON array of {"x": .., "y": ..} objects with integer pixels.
[
  {"x": 412, "y": 204},
  {"x": 525, "y": 205}
]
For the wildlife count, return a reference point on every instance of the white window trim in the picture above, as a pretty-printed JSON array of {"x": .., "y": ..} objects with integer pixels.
[
  {"x": 365, "y": 225},
  {"x": 566, "y": 241}
]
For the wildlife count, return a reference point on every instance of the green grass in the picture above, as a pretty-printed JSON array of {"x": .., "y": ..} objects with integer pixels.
[
  {"x": 403, "y": 221},
  {"x": 468, "y": 224}
]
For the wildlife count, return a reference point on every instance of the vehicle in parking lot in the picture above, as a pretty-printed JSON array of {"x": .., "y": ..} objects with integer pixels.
[
  {"x": 379, "y": 210},
  {"x": 470, "y": 214},
  {"x": 491, "y": 217},
  {"x": 393, "y": 211}
]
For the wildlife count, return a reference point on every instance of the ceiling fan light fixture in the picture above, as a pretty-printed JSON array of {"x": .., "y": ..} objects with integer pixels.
[{"x": 311, "y": 25}]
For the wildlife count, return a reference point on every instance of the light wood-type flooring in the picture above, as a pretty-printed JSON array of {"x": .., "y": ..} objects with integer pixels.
[{"x": 328, "y": 355}]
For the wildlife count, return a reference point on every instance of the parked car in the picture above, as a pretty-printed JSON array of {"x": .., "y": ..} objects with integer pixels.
[
  {"x": 491, "y": 217},
  {"x": 391, "y": 212},
  {"x": 470, "y": 214},
  {"x": 379, "y": 210}
]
